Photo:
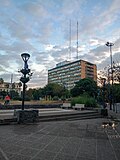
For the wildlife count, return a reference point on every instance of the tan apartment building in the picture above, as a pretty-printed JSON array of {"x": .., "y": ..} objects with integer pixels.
[{"x": 67, "y": 73}]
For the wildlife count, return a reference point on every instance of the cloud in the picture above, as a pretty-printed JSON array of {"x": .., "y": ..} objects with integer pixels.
[
  {"x": 107, "y": 61},
  {"x": 100, "y": 51},
  {"x": 96, "y": 42},
  {"x": 7, "y": 76},
  {"x": 97, "y": 21},
  {"x": 35, "y": 10},
  {"x": 101, "y": 55},
  {"x": 2, "y": 69},
  {"x": 42, "y": 28},
  {"x": 39, "y": 79}
]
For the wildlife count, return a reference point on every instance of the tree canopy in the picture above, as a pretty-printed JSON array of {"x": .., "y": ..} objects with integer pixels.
[
  {"x": 85, "y": 86},
  {"x": 116, "y": 93},
  {"x": 52, "y": 90}
]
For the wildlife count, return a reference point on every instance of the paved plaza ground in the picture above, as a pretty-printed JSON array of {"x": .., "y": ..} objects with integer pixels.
[{"x": 60, "y": 140}]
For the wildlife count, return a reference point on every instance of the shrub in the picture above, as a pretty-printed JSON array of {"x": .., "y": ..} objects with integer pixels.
[
  {"x": 63, "y": 98},
  {"x": 88, "y": 101},
  {"x": 16, "y": 97},
  {"x": 27, "y": 98},
  {"x": 55, "y": 98},
  {"x": 91, "y": 102}
]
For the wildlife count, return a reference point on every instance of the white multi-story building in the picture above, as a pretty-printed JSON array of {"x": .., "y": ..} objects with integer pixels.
[
  {"x": 7, "y": 87},
  {"x": 67, "y": 73}
]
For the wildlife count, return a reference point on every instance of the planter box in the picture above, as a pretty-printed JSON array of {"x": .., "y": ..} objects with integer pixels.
[{"x": 27, "y": 116}]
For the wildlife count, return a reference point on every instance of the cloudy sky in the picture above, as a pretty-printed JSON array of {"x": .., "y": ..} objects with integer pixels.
[{"x": 42, "y": 29}]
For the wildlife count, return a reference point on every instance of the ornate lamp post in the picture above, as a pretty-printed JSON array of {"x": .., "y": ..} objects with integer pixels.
[
  {"x": 26, "y": 76},
  {"x": 109, "y": 44}
]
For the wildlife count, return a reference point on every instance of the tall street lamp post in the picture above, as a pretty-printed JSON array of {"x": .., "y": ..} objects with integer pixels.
[
  {"x": 25, "y": 78},
  {"x": 109, "y": 44}
]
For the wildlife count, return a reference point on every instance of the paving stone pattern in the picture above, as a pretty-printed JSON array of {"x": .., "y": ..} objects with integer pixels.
[{"x": 60, "y": 140}]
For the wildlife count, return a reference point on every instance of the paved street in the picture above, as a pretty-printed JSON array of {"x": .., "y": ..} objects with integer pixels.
[{"x": 60, "y": 140}]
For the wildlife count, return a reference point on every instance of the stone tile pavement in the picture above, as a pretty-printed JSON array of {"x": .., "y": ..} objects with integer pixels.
[{"x": 60, "y": 140}]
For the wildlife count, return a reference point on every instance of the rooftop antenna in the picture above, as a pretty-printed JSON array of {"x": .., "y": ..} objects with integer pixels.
[
  {"x": 77, "y": 39},
  {"x": 70, "y": 41}
]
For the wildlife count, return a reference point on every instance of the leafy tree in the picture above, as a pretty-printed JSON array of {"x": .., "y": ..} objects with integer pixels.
[
  {"x": 3, "y": 94},
  {"x": 29, "y": 93},
  {"x": 41, "y": 92},
  {"x": 36, "y": 94},
  {"x": 14, "y": 95},
  {"x": 116, "y": 93},
  {"x": 54, "y": 89},
  {"x": 106, "y": 91},
  {"x": 85, "y": 86}
]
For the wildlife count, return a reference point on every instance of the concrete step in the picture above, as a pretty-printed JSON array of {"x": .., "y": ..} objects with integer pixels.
[
  {"x": 7, "y": 121},
  {"x": 86, "y": 117},
  {"x": 78, "y": 115},
  {"x": 70, "y": 117},
  {"x": 67, "y": 114}
]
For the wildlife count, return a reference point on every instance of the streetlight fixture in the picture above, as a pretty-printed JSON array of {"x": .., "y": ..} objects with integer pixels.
[
  {"x": 109, "y": 44},
  {"x": 25, "y": 57},
  {"x": 26, "y": 75}
]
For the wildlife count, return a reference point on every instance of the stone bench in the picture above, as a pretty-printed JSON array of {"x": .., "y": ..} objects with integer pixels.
[
  {"x": 66, "y": 105},
  {"x": 79, "y": 106}
]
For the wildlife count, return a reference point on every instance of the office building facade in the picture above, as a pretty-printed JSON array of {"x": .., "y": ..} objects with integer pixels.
[{"x": 67, "y": 73}]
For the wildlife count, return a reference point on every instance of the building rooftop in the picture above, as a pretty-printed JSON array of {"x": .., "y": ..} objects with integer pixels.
[{"x": 65, "y": 63}]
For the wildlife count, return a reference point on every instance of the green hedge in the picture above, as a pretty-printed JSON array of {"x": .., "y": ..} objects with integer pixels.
[{"x": 88, "y": 101}]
